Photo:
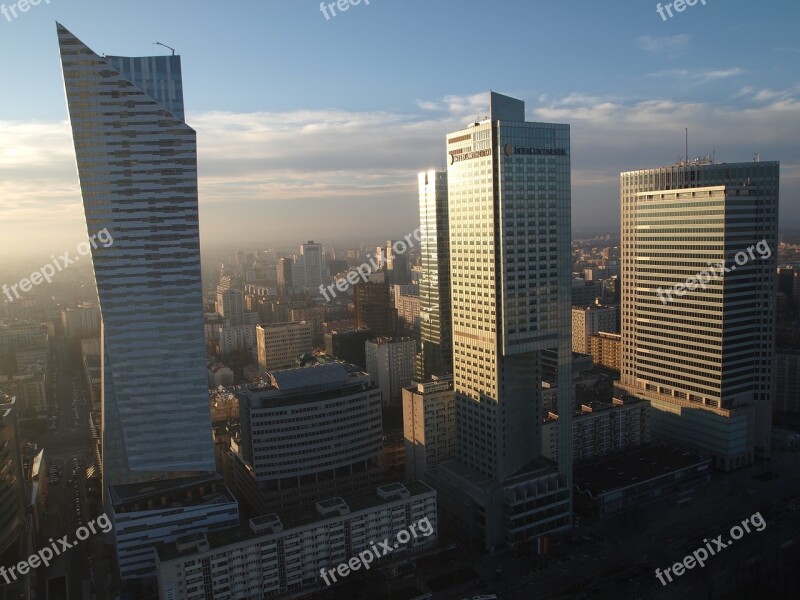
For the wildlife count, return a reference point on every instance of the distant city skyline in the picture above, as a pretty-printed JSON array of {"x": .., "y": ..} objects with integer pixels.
[{"x": 325, "y": 145}]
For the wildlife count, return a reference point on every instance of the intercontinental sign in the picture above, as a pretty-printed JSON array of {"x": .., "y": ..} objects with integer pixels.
[{"x": 509, "y": 150}]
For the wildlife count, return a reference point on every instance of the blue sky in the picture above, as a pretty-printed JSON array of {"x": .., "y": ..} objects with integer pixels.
[{"x": 315, "y": 128}]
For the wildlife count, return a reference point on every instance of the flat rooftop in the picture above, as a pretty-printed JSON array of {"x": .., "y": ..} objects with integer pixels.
[
  {"x": 633, "y": 467},
  {"x": 291, "y": 520},
  {"x": 125, "y": 496},
  {"x": 306, "y": 384}
]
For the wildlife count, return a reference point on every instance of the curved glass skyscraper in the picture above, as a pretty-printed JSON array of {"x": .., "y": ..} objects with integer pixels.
[{"x": 137, "y": 163}]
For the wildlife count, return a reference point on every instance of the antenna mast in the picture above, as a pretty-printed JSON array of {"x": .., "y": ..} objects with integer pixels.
[{"x": 165, "y": 46}]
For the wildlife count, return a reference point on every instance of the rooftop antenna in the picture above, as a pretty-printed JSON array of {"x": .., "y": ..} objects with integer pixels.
[
  {"x": 165, "y": 46},
  {"x": 687, "y": 145}
]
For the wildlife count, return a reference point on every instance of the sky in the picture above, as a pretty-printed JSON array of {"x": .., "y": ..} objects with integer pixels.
[{"x": 315, "y": 128}]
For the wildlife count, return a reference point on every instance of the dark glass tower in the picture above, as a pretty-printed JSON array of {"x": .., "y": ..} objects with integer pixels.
[{"x": 436, "y": 344}]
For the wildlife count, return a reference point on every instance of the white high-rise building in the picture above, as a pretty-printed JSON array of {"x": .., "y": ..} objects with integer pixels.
[
  {"x": 697, "y": 341},
  {"x": 509, "y": 221}
]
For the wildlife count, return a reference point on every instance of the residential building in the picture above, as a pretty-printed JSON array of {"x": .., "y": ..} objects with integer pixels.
[
  {"x": 606, "y": 350},
  {"x": 135, "y": 151},
  {"x": 407, "y": 305},
  {"x": 230, "y": 305},
  {"x": 123, "y": 112},
  {"x": 81, "y": 322},
  {"x": 277, "y": 555},
  {"x": 280, "y": 344},
  {"x": 390, "y": 363},
  {"x": 428, "y": 426},
  {"x": 152, "y": 513},
  {"x": 600, "y": 429},
  {"x": 591, "y": 320},
  {"x": 315, "y": 315}
]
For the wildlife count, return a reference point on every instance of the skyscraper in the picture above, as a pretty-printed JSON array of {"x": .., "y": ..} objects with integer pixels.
[
  {"x": 137, "y": 164},
  {"x": 509, "y": 221},
  {"x": 12, "y": 481},
  {"x": 702, "y": 353},
  {"x": 436, "y": 349},
  {"x": 311, "y": 266}
]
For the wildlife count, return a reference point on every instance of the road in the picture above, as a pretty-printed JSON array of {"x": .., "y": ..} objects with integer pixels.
[{"x": 70, "y": 505}]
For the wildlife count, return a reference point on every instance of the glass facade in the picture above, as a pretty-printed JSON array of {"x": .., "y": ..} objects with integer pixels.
[
  {"x": 436, "y": 349},
  {"x": 709, "y": 347},
  {"x": 509, "y": 217},
  {"x": 12, "y": 484},
  {"x": 137, "y": 164}
]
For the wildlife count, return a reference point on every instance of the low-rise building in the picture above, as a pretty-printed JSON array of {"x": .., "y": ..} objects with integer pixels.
[
  {"x": 649, "y": 474},
  {"x": 276, "y": 555},
  {"x": 306, "y": 433},
  {"x": 600, "y": 429},
  {"x": 154, "y": 512}
]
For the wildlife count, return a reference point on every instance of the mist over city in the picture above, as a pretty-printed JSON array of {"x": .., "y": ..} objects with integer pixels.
[{"x": 368, "y": 299}]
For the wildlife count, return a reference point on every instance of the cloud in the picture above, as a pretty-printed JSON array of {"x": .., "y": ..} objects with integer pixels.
[
  {"x": 337, "y": 174},
  {"x": 668, "y": 45},
  {"x": 698, "y": 76}
]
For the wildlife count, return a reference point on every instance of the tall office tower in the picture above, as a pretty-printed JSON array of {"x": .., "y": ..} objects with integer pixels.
[
  {"x": 398, "y": 268},
  {"x": 313, "y": 262},
  {"x": 230, "y": 305},
  {"x": 509, "y": 215},
  {"x": 436, "y": 350},
  {"x": 137, "y": 163},
  {"x": 373, "y": 308},
  {"x": 12, "y": 482},
  {"x": 701, "y": 353},
  {"x": 284, "y": 276}
]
